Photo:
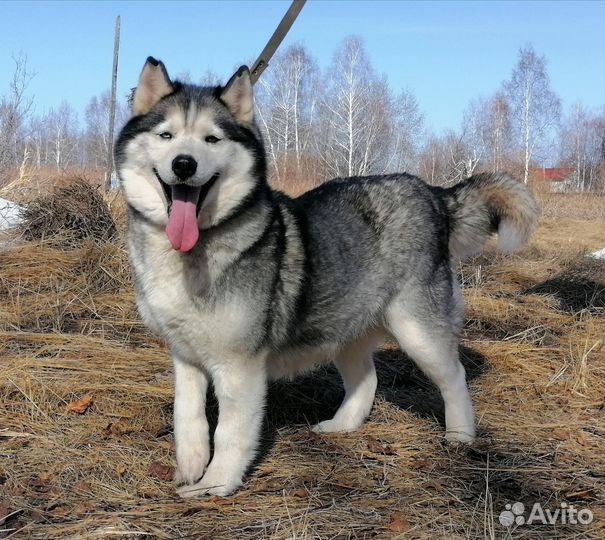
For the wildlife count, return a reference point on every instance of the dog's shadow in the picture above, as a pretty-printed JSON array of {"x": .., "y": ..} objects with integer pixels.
[
  {"x": 315, "y": 397},
  {"x": 573, "y": 293},
  {"x": 580, "y": 287},
  {"x": 311, "y": 398}
]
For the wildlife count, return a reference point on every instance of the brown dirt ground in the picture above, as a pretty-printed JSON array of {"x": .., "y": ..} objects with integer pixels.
[{"x": 532, "y": 345}]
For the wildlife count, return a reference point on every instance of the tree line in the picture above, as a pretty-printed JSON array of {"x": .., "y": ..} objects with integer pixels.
[
  {"x": 346, "y": 120},
  {"x": 56, "y": 138}
]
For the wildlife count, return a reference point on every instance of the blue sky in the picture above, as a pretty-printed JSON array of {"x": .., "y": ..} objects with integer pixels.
[{"x": 447, "y": 53}]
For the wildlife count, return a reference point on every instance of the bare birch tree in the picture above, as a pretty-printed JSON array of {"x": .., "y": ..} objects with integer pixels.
[
  {"x": 407, "y": 133},
  {"x": 486, "y": 133},
  {"x": 581, "y": 141},
  {"x": 15, "y": 109},
  {"x": 62, "y": 126},
  {"x": 286, "y": 106},
  {"x": 473, "y": 147},
  {"x": 96, "y": 117},
  {"x": 447, "y": 159},
  {"x": 356, "y": 115},
  {"x": 499, "y": 130},
  {"x": 535, "y": 107},
  {"x": 429, "y": 159}
]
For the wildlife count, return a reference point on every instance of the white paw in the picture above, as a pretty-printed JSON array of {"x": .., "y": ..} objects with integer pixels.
[
  {"x": 218, "y": 480},
  {"x": 208, "y": 486},
  {"x": 463, "y": 435},
  {"x": 335, "y": 425},
  {"x": 191, "y": 463}
]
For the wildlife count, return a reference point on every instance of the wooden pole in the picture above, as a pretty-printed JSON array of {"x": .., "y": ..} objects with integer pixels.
[{"x": 112, "y": 105}]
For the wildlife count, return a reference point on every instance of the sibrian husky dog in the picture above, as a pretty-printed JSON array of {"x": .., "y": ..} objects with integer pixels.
[{"x": 247, "y": 284}]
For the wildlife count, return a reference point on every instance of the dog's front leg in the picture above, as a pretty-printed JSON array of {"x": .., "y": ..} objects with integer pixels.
[
  {"x": 190, "y": 423},
  {"x": 240, "y": 388}
]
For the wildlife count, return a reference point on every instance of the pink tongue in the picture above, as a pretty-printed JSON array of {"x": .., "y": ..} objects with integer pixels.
[{"x": 182, "y": 229}]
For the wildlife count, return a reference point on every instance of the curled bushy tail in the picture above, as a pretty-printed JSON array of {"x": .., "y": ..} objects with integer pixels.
[{"x": 485, "y": 204}]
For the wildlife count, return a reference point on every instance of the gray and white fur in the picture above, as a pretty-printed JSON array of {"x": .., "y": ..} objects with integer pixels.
[{"x": 264, "y": 286}]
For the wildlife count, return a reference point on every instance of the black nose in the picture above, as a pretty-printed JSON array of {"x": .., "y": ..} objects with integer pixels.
[{"x": 184, "y": 166}]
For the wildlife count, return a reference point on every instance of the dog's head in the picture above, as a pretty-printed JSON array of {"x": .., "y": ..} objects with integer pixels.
[{"x": 190, "y": 155}]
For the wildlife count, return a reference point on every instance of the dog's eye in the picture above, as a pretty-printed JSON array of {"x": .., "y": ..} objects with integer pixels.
[
  {"x": 212, "y": 139},
  {"x": 166, "y": 135}
]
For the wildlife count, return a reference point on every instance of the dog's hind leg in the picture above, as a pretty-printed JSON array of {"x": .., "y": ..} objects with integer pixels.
[
  {"x": 426, "y": 330},
  {"x": 356, "y": 367}
]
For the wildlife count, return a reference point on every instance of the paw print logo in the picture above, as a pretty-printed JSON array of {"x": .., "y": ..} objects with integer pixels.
[{"x": 512, "y": 515}]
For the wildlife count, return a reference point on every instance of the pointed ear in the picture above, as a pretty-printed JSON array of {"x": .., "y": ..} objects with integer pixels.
[
  {"x": 154, "y": 84},
  {"x": 237, "y": 95}
]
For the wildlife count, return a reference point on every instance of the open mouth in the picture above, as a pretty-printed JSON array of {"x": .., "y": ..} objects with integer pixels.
[
  {"x": 167, "y": 188},
  {"x": 184, "y": 204}
]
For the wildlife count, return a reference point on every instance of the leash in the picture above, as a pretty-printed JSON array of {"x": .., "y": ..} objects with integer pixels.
[{"x": 280, "y": 33}]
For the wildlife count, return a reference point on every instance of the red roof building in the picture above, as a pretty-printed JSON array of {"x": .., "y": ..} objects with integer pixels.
[
  {"x": 553, "y": 174},
  {"x": 555, "y": 179}
]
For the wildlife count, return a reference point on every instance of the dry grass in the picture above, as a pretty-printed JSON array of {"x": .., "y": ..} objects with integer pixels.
[
  {"x": 533, "y": 351},
  {"x": 26, "y": 184},
  {"x": 582, "y": 206},
  {"x": 73, "y": 213}
]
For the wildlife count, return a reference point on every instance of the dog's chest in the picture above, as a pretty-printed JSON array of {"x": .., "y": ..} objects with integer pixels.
[{"x": 171, "y": 301}]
